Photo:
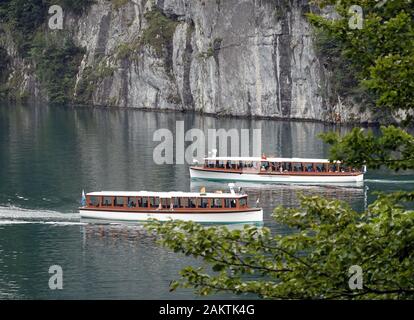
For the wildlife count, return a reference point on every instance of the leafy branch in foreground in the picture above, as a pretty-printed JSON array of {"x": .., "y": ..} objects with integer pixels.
[
  {"x": 393, "y": 148},
  {"x": 311, "y": 262}
]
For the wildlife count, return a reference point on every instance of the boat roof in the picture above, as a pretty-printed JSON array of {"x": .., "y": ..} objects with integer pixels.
[
  {"x": 271, "y": 159},
  {"x": 166, "y": 194}
]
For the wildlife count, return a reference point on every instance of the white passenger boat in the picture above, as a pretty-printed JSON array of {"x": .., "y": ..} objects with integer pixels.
[
  {"x": 202, "y": 207},
  {"x": 268, "y": 170}
]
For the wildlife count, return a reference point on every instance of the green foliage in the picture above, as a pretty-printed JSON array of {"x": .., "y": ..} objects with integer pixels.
[
  {"x": 159, "y": 32},
  {"x": 342, "y": 79},
  {"x": 393, "y": 148},
  {"x": 25, "y": 17},
  {"x": 212, "y": 50},
  {"x": 76, "y": 6},
  {"x": 55, "y": 56},
  {"x": 206, "y": 54},
  {"x": 57, "y": 60},
  {"x": 119, "y": 3},
  {"x": 86, "y": 86},
  {"x": 381, "y": 53},
  {"x": 311, "y": 263},
  {"x": 4, "y": 64},
  {"x": 128, "y": 50},
  {"x": 91, "y": 76},
  {"x": 4, "y": 72}
]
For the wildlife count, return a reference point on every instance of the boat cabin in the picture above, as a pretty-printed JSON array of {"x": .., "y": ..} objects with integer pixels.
[
  {"x": 144, "y": 201},
  {"x": 278, "y": 165}
]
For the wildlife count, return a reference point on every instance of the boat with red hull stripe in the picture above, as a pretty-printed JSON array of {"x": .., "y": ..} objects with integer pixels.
[
  {"x": 202, "y": 207},
  {"x": 275, "y": 170}
]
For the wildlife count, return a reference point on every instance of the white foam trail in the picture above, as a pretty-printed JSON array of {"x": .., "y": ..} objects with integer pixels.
[
  {"x": 17, "y": 215},
  {"x": 7, "y": 222},
  {"x": 55, "y": 223},
  {"x": 390, "y": 181},
  {"x": 62, "y": 223}
]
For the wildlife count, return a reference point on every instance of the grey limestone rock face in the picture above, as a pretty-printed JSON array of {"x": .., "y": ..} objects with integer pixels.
[{"x": 223, "y": 57}]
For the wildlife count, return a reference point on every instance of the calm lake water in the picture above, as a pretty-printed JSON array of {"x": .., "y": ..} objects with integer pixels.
[{"x": 48, "y": 155}]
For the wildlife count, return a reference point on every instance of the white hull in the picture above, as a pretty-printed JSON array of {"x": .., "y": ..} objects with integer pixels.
[
  {"x": 228, "y": 217},
  {"x": 252, "y": 177}
]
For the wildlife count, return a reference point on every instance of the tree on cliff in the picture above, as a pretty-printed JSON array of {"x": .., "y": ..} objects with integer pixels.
[
  {"x": 329, "y": 239},
  {"x": 377, "y": 44}
]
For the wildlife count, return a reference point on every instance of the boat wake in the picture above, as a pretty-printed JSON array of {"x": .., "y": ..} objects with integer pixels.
[
  {"x": 15, "y": 215},
  {"x": 390, "y": 181}
]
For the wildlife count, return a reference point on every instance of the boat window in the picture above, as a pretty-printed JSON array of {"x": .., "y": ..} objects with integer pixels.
[
  {"x": 243, "y": 202},
  {"x": 308, "y": 167},
  {"x": 204, "y": 203},
  {"x": 333, "y": 167},
  {"x": 119, "y": 202},
  {"x": 107, "y": 201},
  {"x": 131, "y": 202},
  {"x": 94, "y": 201},
  {"x": 139, "y": 202},
  {"x": 154, "y": 202},
  {"x": 286, "y": 166},
  {"x": 192, "y": 203},
  {"x": 183, "y": 202},
  {"x": 179, "y": 202},
  {"x": 216, "y": 203},
  {"x": 144, "y": 202},
  {"x": 297, "y": 167},
  {"x": 265, "y": 165},
  {"x": 165, "y": 202},
  {"x": 276, "y": 166},
  {"x": 176, "y": 202},
  {"x": 230, "y": 203}
]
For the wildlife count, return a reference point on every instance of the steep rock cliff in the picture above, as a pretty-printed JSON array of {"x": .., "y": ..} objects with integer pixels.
[{"x": 224, "y": 57}]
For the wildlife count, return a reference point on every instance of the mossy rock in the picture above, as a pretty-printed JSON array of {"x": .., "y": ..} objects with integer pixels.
[{"x": 159, "y": 32}]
